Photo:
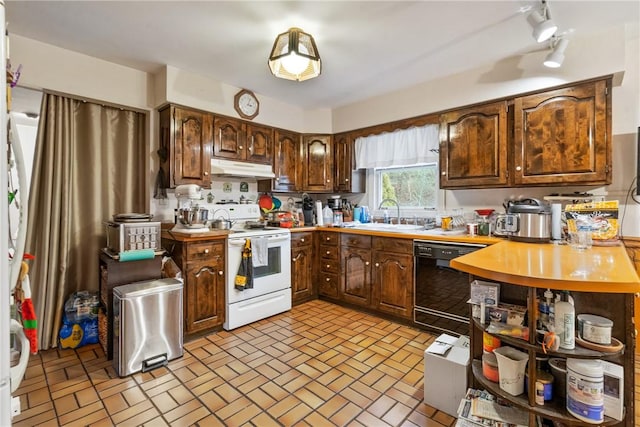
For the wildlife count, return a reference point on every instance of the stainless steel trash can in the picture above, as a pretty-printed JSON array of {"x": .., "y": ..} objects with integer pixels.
[{"x": 147, "y": 325}]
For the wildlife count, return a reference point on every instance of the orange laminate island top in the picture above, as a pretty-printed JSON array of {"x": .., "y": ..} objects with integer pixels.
[{"x": 599, "y": 269}]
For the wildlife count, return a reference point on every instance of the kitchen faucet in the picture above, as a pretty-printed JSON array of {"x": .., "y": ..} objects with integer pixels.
[{"x": 387, "y": 219}]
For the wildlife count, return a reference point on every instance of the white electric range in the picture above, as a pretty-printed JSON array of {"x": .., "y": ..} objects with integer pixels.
[{"x": 271, "y": 292}]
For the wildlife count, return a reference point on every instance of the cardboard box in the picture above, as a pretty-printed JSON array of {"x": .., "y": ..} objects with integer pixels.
[
  {"x": 445, "y": 376},
  {"x": 484, "y": 292},
  {"x": 506, "y": 313}
]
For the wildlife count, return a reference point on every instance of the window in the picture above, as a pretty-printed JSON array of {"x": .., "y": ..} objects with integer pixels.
[{"x": 414, "y": 187}]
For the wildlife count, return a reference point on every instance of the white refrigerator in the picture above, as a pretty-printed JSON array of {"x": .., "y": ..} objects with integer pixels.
[{"x": 5, "y": 373}]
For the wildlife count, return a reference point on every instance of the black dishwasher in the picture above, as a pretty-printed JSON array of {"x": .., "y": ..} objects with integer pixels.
[{"x": 441, "y": 292}]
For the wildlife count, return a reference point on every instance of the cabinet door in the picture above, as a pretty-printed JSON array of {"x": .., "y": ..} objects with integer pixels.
[
  {"x": 473, "y": 147},
  {"x": 191, "y": 147},
  {"x": 259, "y": 144},
  {"x": 346, "y": 177},
  {"x": 287, "y": 161},
  {"x": 355, "y": 276},
  {"x": 561, "y": 136},
  {"x": 393, "y": 283},
  {"x": 229, "y": 139},
  {"x": 317, "y": 170},
  {"x": 301, "y": 268},
  {"x": 204, "y": 300}
]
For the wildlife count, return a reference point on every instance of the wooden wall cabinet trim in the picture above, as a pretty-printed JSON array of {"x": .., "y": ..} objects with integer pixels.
[
  {"x": 473, "y": 147},
  {"x": 186, "y": 136}
]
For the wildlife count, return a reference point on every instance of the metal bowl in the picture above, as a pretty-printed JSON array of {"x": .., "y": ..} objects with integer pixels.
[{"x": 195, "y": 217}]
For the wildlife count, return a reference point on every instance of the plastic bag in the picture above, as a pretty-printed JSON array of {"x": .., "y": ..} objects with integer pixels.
[{"x": 80, "y": 320}]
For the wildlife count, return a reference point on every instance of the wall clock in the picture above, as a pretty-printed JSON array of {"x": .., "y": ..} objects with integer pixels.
[{"x": 246, "y": 104}]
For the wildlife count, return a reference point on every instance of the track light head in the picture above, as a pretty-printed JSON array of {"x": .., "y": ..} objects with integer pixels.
[
  {"x": 543, "y": 26},
  {"x": 555, "y": 58}
]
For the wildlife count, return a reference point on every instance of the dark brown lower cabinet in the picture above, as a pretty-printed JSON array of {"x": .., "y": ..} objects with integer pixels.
[
  {"x": 203, "y": 269},
  {"x": 302, "y": 288}
]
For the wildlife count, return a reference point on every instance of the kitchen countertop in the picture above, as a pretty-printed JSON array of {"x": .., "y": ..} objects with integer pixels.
[
  {"x": 194, "y": 237},
  {"x": 436, "y": 234},
  {"x": 555, "y": 266}
]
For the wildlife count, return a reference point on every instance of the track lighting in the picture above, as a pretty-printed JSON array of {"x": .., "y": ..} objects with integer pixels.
[
  {"x": 556, "y": 56},
  {"x": 542, "y": 24}
]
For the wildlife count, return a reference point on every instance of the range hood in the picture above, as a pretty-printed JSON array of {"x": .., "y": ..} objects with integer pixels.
[{"x": 221, "y": 167}]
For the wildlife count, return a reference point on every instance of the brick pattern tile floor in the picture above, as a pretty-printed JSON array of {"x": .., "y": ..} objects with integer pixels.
[{"x": 318, "y": 365}]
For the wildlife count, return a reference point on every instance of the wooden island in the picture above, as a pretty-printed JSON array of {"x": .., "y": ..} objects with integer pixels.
[{"x": 602, "y": 280}]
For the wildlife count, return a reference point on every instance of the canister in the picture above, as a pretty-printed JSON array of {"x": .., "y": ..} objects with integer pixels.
[
  {"x": 490, "y": 367},
  {"x": 585, "y": 390},
  {"x": 559, "y": 371},
  {"x": 595, "y": 329},
  {"x": 472, "y": 228},
  {"x": 546, "y": 379}
]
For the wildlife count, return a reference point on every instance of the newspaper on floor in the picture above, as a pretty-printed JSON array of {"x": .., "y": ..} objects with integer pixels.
[{"x": 467, "y": 418}]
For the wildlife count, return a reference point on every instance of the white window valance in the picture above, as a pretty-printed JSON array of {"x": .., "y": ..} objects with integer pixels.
[{"x": 399, "y": 148}]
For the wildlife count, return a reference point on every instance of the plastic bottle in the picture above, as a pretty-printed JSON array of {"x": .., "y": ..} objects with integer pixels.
[
  {"x": 548, "y": 298},
  {"x": 565, "y": 322},
  {"x": 327, "y": 215},
  {"x": 386, "y": 218}
]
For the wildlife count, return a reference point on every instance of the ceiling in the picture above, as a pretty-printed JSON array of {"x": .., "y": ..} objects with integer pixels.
[{"x": 368, "y": 48}]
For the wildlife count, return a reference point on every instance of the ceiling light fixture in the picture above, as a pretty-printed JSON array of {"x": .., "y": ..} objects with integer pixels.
[
  {"x": 542, "y": 24},
  {"x": 555, "y": 58},
  {"x": 294, "y": 56}
]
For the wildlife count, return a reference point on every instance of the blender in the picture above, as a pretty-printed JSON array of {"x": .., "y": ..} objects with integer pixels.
[
  {"x": 191, "y": 218},
  {"x": 484, "y": 221}
]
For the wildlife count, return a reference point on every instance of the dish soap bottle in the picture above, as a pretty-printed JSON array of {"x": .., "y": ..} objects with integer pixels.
[{"x": 565, "y": 321}]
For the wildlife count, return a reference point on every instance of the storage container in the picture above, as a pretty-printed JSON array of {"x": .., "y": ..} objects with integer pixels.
[
  {"x": 595, "y": 329},
  {"x": 585, "y": 390}
]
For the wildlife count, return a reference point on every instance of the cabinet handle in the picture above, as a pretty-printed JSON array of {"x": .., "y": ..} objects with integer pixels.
[
  {"x": 327, "y": 280},
  {"x": 366, "y": 263},
  {"x": 240, "y": 147},
  {"x": 206, "y": 251},
  {"x": 328, "y": 265},
  {"x": 346, "y": 180},
  {"x": 377, "y": 264},
  {"x": 328, "y": 238},
  {"x": 328, "y": 252},
  {"x": 302, "y": 240},
  {"x": 206, "y": 174},
  {"x": 443, "y": 173},
  {"x": 220, "y": 272},
  {"x": 518, "y": 168},
  {"x": 328, "y": 180}
]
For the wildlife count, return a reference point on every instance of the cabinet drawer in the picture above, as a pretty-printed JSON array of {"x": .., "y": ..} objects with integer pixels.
[
  {"x": 356, "y": 241},
  {"x": 329, "y": 266},
  {"x": 205, "y": 250},
  {"x": 329, "y": 238},
  {"x": 328, "y": 285},
  {"x": 301, "y": 239},
  {"x": 390, "y": 244},
  {"x": 329, "y": 252}
]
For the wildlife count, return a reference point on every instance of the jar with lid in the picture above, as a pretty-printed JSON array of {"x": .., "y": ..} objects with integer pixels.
[{"x": 337, "y": 218}]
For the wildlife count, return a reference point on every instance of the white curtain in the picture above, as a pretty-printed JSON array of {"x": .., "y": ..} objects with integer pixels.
[{"x": 400, "y": 148}]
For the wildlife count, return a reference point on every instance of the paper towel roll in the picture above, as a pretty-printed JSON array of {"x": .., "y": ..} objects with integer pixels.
[
  {"x": 319, "y": 212},
  {"x": 556, "y": 221}
]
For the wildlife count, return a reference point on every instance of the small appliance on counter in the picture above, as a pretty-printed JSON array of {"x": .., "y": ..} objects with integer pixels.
[
  {"x": 132, "y": 236},
  {"x": 526, "y": 220},
  {"x": 190, "y": 218},
  {"x": 307, "y": 209}
]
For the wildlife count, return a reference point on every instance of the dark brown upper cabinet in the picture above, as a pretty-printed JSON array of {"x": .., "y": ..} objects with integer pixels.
[
  {"x": 347, "y": 178},
  {"x": 238, "y": 140}
]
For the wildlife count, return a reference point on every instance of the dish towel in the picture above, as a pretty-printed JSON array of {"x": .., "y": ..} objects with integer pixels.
[
  {"x": 260, "y": 251},
  {"x": 244, "y": 278}
]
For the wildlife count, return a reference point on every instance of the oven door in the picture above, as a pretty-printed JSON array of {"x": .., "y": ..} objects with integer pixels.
[{"x": 274, "y": 276}]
